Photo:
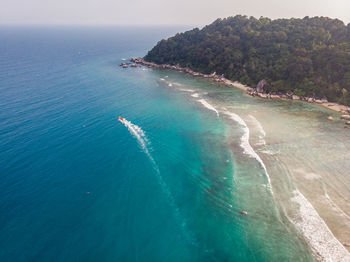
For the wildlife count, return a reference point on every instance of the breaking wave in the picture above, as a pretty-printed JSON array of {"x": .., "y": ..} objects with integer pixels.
[
  {"x": 186, "y": 90},
  {"x": 261, "y": 130},
  {"x": 209, "y": 106},
  {"x": 324, "y": 244},
  {"x": 246, "y": 145}
]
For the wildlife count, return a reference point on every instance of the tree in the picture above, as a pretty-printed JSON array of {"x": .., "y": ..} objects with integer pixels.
[{"x": 309, "y": 56}]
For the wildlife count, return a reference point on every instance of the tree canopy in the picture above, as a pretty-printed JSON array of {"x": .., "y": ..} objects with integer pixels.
[{"x": 309, "y": 56}]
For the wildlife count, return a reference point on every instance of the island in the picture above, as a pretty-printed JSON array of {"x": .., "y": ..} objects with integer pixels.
[{"x": 305, "y": 59}]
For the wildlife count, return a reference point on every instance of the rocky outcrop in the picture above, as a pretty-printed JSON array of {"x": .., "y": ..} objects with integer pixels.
[
  {"x": 261, "y": 87},
  {"x": 275, "y": 97},
  {"x": 345, "y": 117},
  {"x": 259, "y": 91},
  {"x": 215, "y": 77}
]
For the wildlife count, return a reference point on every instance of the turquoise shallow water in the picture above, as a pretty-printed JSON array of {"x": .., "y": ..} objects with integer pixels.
[{"x": 78, "y": 185}]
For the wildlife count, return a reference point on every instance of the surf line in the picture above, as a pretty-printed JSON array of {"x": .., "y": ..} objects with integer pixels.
[
  {"x": 144, "y": 143},
  {"x": 246, "y": 145},
  {"x": 261, "y": 130},
  {"x": 209, "y": 106},
  {"x": 324, "y": 244}
]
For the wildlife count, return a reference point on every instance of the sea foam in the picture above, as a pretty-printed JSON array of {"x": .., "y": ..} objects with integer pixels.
[
  {"x": 246, "y": 145},
  {"x": 261, "y": 130},
  {"x": 209, "y": 106},
  {"x": 186, "y": 90},
  {"x": 140, "y": 136},
  {"x": 324, "y": 244}
]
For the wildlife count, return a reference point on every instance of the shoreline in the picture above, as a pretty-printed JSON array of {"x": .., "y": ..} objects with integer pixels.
[
  {"x": 249, "y": 90},
  {"x": 324, "y": 245}
]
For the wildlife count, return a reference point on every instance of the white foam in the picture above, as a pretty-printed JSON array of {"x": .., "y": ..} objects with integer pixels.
[
  {"x": 140, "y": 135},
  {"x": 322, "y": 241},
  {"x": 261, "y": 130},
  {"x": 162, "y": 79},
  {"x": 123, "y": 59},
  {"x": 336, "y": 207},
  {"x": 170, "y": 84},
  {"x": 307, "y": 175},
  {"x": 209, "y": 106},
  {"x": 268, "y": 152},
  {"x": 186, "y": 90},
  {"x": 246, "y": 145},
  {"x": 196, "y": 95}
]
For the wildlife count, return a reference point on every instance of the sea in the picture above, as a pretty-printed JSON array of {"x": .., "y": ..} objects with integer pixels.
[{"x": 195, "y": 171}]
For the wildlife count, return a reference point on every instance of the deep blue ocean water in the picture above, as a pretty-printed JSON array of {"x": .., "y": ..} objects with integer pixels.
[{"x": 78, "y": 185}]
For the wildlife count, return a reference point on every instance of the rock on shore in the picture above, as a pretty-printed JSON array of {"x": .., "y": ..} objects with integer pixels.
[{"x": 345, "y": 117}]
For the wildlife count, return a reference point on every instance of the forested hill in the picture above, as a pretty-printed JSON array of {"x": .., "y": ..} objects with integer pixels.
[{"x": 309, "y": 56}]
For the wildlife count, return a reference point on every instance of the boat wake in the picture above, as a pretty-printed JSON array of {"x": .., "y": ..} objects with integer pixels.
[
  {"x": 138, "y": 133},
  {"x": 144, "y": 143}
]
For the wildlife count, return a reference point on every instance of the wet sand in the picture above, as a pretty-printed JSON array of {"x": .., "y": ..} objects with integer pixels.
[{"x": 311, "y": 153}]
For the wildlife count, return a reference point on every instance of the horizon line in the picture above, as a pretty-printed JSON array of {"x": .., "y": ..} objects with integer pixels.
[
  {"x": 64, "y": 24},
  {"x": 194, "y": 25}
]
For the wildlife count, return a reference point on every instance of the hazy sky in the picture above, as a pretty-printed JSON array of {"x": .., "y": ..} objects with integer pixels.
[{"x": 190, "y": 12}]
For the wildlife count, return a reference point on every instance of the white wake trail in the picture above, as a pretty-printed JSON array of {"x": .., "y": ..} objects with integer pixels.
[{"x": 140, "y": 135}]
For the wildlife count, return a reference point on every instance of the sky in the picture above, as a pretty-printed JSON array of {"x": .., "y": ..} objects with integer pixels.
[{"x": 161, "y": 12}]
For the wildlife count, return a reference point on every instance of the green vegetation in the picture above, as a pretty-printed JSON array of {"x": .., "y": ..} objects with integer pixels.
[{"x": 309, "y": 56}]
